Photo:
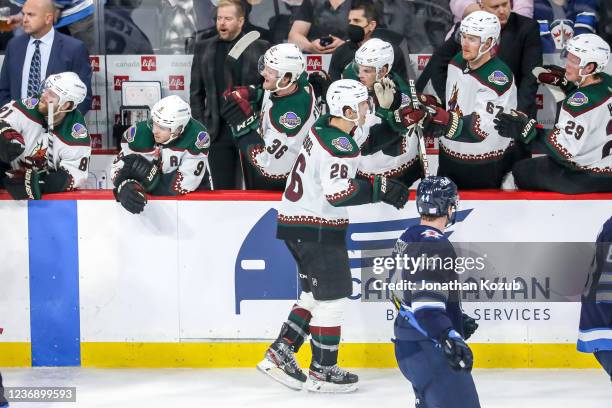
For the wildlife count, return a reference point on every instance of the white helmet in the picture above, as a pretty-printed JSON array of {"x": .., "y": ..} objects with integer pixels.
[
  {"x": 68, "y": 87},
  {"x": 173, "y": 113},
  {"x": 285, "y": 59},
  {"x": 484, "y": 25},
  {"x": 375, "y": 53},
  {"x": 590, "y": 48},
  {"x": 346, "y": 92}
]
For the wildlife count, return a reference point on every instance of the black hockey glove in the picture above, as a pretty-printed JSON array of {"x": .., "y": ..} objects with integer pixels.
[
  {"x": 516, "y": 125},
  {"x": 319, "y": 80},
  {"x": 138, "y": 168},
  {"x": 457, "y": 353},
  {"x": 237, "y": 109},
  {"x": 389, "y": 191},
  {"x": 469, "y": 325},
  {"x": 131, "y": 195},
  {"x": 23, "y": 184},
  {"x": 11, "y": 145}
]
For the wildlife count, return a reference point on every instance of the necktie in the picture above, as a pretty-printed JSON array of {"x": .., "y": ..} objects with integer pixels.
[{"x": 34, "y": 78}]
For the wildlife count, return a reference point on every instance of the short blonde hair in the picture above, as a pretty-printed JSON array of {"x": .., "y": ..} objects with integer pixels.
[{"x": 236, "y": 3}]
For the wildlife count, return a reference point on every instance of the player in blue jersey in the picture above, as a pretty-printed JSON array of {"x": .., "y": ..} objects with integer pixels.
[
  {"x": 430, "y": 329},
  {"x": 596, "y": 313}
]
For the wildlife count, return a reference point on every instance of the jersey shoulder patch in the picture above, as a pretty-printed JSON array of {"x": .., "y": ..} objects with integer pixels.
[
  {"x": 139, "y": 137},
  {"x": 195, "y": 138},
  {"x": 336, "y": 142},
  {"x": 29, "y": 108},
  {"x": 72, "y": 130},
  {"x": 586, "y": 98},
  {"x": 495, "y": 75},
  {"x": 289, "y": 113}
]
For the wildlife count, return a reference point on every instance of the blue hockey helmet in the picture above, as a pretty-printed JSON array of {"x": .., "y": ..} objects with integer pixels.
[{"x": 435, "y": 195}]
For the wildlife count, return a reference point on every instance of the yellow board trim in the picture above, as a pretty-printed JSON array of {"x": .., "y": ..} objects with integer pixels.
[
  {"x": 359, "y": 355},
  {"x": 15, "y": 355}
]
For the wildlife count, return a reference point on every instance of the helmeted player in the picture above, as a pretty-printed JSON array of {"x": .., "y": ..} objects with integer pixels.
[
  {"x": 596, "y": 313},
  {"x": 479, "y": 86},
  {"x": 271, "y": 139},
  {"x": 394, "y": 123},
  {"x": 372, "y": 66},
  {"x": 44, "y": 141},
  {"x": 579, "y": 147},
  {"x": 430, "y": 328},
  {"x": 166, "y": 155},
  {"x": 313, "y": 220}
]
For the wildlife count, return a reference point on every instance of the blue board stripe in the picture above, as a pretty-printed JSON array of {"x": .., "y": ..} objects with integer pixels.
[{"x": 54, "y": 283}]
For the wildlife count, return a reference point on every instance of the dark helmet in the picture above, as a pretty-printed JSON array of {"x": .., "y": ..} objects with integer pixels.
[{"x": 435, "y": 195}]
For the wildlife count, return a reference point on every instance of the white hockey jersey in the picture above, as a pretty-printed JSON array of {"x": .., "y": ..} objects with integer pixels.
[
  {"x": 321, "y": 184},
  {"x": 582, "y": 136},
  {"x": 183, "y": 161},
  {"x": 284, "y": 122},
  {"x": 67, "y": 146},
  {"x": 478, "y": 96}
]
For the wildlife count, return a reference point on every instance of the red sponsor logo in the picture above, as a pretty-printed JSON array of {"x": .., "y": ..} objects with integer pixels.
[
  {"x": 539, "y": 101},
  {"x": 95, "y": 64},
  {"x": 422, "y": 61},
  {"x": 96, "y": 140},
  {"x": 430, "y": 142},
  {"x": 148, "y": 63},
  {"x": 96, "y": 103},
  {"x": 118, "y": 80},
  {"x": 176, "y": 83},
  {"x": 314, "y": 63}
]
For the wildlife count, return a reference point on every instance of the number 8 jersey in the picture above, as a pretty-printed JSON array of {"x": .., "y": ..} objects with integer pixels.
[
  {"x": 321, "y": 184},
  {"x": 67, "y": 147}
]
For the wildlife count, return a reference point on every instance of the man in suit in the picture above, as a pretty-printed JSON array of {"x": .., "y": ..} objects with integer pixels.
[
  {"x": 41, "y": 52},
  {"x": 519, "y": 47},
  {"x": 208, "y": 82}
]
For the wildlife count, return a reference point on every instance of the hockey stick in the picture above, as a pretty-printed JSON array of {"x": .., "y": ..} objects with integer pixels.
[
  {"x": 416, "y": 104},
  {"x": 232, "y": 56},
  {"x": 231, "y": 62}
]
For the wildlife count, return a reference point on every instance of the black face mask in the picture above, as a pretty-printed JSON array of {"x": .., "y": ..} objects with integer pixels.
[{"x": 356, "y": 33}]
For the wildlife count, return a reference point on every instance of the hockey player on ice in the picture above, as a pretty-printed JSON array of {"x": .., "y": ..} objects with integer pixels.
[
  {"x": 430, "y": 328},
  {"x": 271, "y": 139},
  {"x": 596, "y": 313},
  {"x": 313, "y": 220},
  {"x": 479, "y": 86},
  {"x": 45, "y": 157},
  {"x": 166, "y": 155},
  {"x": 579, "y": 147}
]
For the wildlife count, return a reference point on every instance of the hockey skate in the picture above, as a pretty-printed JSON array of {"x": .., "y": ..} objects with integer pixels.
[
  {"x": 332, "y": 379},
  {"x": 279, "y": 363}
]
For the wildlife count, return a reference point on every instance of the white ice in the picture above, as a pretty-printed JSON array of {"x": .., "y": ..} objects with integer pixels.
[{"x": 525, "y": 388}]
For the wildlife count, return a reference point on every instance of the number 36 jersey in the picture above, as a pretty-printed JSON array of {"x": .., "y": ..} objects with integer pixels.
[{"x": 321, "y": 184}]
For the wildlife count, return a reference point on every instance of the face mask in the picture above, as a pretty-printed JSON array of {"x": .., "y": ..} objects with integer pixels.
[{"x": 355, "y": 33}]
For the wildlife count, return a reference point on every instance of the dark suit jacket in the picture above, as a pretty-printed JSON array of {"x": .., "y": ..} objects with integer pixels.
[
  {"x": 520, "y": 48},
  {"x": 203, "y": 89},
  {"x": 67, "y": 54}
]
